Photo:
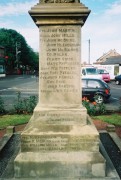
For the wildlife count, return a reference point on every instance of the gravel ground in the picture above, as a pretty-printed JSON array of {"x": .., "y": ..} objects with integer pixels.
[
  {"x": 112, "y": 150},
  {"x": 8, "y": 154}
]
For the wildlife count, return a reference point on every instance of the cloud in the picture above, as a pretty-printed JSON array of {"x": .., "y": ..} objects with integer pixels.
[
  {"x": 103, "y": 30},
  {"x": 32, "y": 36},
  {"x": 102, "y": 27},
  {"x": 4, "y": 23},
  {"x": 115, "y": 9},
  {"x": 26, "y": 28},
  {"x": 16, "y": 8}
]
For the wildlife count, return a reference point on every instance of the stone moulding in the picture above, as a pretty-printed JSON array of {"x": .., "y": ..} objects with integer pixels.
[{"x": 59, "y": 13}]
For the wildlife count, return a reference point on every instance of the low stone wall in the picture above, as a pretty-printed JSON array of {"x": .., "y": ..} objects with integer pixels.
[
  {"x": 17, "y": 128},
  {"x": 100, "y": 125}
]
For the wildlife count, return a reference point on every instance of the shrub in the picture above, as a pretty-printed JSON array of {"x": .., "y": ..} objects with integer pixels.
[
  {"x": 31, "y": 103},
  {"x": 93, "y": 108},
  {"x": 19, "y": 104},
  {"x": 25, "y": 105}
]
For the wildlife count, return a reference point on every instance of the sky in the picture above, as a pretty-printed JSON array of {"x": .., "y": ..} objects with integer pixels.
[{"x": 102, "y": 27}]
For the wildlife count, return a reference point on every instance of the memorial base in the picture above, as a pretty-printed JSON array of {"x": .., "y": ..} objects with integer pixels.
[{"x": 52, "y": 151}]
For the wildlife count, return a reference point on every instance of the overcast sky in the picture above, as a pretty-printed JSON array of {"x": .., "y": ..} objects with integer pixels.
[{"x": 103, "y": 26}]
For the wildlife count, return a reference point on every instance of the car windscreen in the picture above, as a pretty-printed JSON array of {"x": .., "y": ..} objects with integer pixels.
[
  {"x": 102, "y": 71},
  {"x": 91, "y": 71}
]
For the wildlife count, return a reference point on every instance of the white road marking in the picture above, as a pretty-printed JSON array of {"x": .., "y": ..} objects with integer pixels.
[
  {"x": 18, "y": 89},
  {"x": 115, "y": 87},
  {"x": 115, "y": 98}
]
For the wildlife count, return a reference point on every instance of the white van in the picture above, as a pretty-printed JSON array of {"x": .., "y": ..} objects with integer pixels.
[{"x": 90, "y": 72}]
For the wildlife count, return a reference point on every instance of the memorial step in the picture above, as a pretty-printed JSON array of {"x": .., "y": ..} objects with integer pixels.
[
  {"x": 43, "y": 138},
  {"x": 60, "y": 165}
]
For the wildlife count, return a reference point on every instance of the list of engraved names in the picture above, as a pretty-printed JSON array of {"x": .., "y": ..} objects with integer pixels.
[
  {"x": 43, "y": 143},
  {"x": 60, "y": 63}
]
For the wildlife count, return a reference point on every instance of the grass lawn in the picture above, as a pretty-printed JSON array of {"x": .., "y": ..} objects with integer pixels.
[
  {"x": 12, "y": 120},
  {"x": 114, "y": 119}
]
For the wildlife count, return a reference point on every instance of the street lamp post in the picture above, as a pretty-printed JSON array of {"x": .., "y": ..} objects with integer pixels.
[
  {"x": 89, "y": 52},
  {"x": 17, "y": 52}
]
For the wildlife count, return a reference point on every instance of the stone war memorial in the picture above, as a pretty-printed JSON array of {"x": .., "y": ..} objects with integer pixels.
[{"x": 60, "y": 141}]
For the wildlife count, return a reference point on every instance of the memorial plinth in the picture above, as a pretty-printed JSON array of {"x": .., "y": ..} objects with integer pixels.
[{"x": 60, "y": 141}]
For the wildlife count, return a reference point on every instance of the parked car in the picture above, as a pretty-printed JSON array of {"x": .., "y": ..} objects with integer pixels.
[
  {"x": 118, "y": 79},
  {"x": 105, "y": 74},
  {"x": 95, "y": 90},
  {"x": 90, "y": 72}
]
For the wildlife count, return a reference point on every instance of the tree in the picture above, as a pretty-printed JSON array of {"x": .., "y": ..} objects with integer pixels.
[{"x": 18, "y": 52}]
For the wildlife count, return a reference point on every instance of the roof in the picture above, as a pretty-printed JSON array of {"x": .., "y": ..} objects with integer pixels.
[
  {"x": 112, "y": 60},
  {"x": 106, "y": 55}
]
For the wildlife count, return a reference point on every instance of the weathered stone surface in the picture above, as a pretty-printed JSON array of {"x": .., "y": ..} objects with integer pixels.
[
  {"x": 59, "y": 14},
  {"x": 60, "y": 67},
  {"x": 60, "y": 138},
  {"x": 10, "y": 130},
  {"x": 40, "y": 136},
  {"x": 59, "y": 116},
  {"x": 60, "y": 165}
]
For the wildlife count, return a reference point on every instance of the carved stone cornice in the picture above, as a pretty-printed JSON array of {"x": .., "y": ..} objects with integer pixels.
[{"x": 59, "y": 13}]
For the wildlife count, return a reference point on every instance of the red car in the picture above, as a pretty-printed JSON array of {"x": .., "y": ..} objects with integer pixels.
[{"x": 105, "y": 75}]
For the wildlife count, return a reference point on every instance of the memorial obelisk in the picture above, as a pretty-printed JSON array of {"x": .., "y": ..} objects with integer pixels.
[{"x": 60, "y": 142}]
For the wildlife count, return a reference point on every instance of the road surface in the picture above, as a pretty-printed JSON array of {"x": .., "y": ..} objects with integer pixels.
[{"x": 28, "y": 85}]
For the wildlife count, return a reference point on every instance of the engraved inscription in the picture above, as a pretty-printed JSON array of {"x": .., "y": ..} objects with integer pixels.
[
  {"x": 57, "y": 143},
  {"x": 62, "y": 118},
  {"x": 61, "y": 65}
]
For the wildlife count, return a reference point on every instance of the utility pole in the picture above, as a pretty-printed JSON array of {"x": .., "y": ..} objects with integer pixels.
[{"x": 89, "y": 51}]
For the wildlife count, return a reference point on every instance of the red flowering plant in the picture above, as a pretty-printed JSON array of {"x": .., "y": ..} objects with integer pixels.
[{"x": 93, "y": 108}]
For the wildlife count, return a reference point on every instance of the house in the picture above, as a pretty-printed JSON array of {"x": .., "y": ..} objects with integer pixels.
[
  {"x": 112, "y": 65},
  {"x": 115, "y": 60},
  {"x": 104, "y": 57}
]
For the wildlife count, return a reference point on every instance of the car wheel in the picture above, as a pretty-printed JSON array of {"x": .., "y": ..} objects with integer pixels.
[
  {"x": 117, "y": 82},
  {"x": 99, "y": 99}
]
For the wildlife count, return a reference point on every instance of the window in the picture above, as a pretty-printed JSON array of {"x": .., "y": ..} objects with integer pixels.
[
  {"x": 93, "y": 84},
  {"x": 84, "y": 83}
]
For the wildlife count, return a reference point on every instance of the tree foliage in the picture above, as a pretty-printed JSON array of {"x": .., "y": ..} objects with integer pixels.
[{"x": 10, "y": 40}]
